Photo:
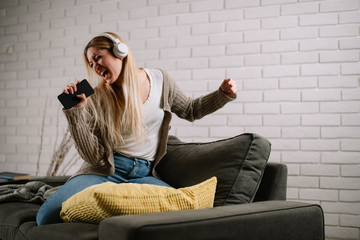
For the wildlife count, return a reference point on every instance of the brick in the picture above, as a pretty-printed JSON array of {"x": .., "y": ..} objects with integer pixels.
[
  {"x": 320, "y": 145},
  {"x": 338, "y": 82},
  {"x": 318, "y": 194},
  {"x": 320, "y": 69},
  {"x": 206, "y": 6},
  {"x": 299, "y": 108},
  {"x": 349, "y": 43},
  {"x": 261, "y": 35},
  {"x": 340, "y": 157},
  {"x": 224, "y": 132},
  {"x": 245, "y": 48},
  {"x": 300, "y": 157},
  {"x": 350, "y": 170},
  {"x": 350, "y": 119},
  {"x": 299, "y": 8},
  {"x": 119, "y": 15},
  {"x": 318, "y": 44},
  {"x": 320, "y": 120},
  {"x": 281, "y": 120},
  {"x": 299, "y": 57},
  {"x": 208, "y": 28},
  {"x": 350, "y": 195},
  {"x": 280, "y": 46},
  {"x": 262, "y": 60},
  {"x": 298, "y": 82},
  {"x": 227, "y": 15},
  {"x": 318, "y": 19},
  {"x": 241, "y": 4},
  {"x": 320, "y": 170},
  {"x": 298, "y": 33},
  {"x": 340, "y": 56},
  {"x": 351, "y": 94},
  {"x": 339, "y": 31},
  {"x": 293, "y": 169},
  {"x": 340, "y": 107},
  {"x": 160, "y": 21},
  {"x": 15, "y": 29},
  {"x": 279, "y": 22},
  {"x": 175, "y": 53},
  {"x": 350, "y": 221},
  {"x": 88, "y": 19},
  {"x": 211, "y": 120},
  {"x": 350, "y": 68},
  {"x": 350, "y": 145},
  {"x": 300, "y": 132},
  {"x": 349, "y": 17},
  {"x": 271, "y": 2},
  {"x": 185, "y": 41},
  {"x": 236, "y": 26},
  {"x": 178, "y": 8},
  {"x": 321, "y": 95},
  {"x": 281, "y": 71},
  {"x": 174, "y": 31},
  {"x": 208, "y": 74},
  {"x": 340, "y": 183},
  {"x": 226, "y": 61},
  {"x": 192, "y": 63},
  {"x": 245, "y": 120},
  {"x": 336, "y": 6},
  {"x": 258, "y": 84},
  {"x": 262, "y": 108},
  {"x": 281, "y": 95},
  {"x": 303, "y": 182},
  {"x": 262, "y": 12},
  {"x": 192, "y": 131},
  {"x": 144, "y": 12},
  {"x": 31, "y": 17},
  {"x": 208, "y": 51}
]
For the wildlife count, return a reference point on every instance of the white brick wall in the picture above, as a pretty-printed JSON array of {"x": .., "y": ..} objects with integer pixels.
[{"x": 296, "y": 64}]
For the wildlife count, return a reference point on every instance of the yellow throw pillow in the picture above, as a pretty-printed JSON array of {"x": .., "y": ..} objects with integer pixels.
[{"x": 97, "y": 202}]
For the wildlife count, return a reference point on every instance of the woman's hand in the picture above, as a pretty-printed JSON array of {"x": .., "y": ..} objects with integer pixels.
[
  {"x": 228, "y": 86},
  {"x": 70, "y": 89}
]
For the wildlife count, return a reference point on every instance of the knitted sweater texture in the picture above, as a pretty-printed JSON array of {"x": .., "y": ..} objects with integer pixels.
[{"x": 97, "y": 152}]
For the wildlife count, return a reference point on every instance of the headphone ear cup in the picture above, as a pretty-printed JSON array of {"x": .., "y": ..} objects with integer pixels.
[{"x": 120, "y": 50}]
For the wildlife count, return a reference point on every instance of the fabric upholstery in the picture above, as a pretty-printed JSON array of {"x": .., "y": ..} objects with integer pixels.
[
  {"x": 238, "y": 163},
  {"x": 101, "y": 201}
]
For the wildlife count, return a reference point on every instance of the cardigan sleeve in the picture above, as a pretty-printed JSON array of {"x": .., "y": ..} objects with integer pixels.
[
  {"x": 87, "y": 140},
  {"x": 194, "y": 108}
]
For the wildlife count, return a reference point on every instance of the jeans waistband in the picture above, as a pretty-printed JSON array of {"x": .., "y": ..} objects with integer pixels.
[{"x": 149, "y": 163}]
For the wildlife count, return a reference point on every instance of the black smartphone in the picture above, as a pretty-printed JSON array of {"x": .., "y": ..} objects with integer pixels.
[{"x": 70, "y": 100}]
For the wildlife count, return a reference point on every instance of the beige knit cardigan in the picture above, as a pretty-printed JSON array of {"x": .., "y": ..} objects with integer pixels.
[{"x": 97, "y": 152}]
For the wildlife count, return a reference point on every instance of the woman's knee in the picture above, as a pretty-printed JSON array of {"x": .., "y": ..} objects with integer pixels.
[{"x": 49, "y": 212}]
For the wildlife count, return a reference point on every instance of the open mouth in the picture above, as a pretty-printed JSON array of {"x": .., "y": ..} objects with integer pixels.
[{"x": 104, "y": 73}]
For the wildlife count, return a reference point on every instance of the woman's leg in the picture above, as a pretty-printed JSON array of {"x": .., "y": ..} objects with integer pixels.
[{"x": 49, "y": 212}]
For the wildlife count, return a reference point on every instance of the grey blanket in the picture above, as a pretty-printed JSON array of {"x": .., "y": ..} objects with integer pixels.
[{"x": 31, "y": 192}]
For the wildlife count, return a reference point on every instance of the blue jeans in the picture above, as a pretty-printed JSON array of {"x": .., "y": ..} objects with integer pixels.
[{"x": 127, "y": 170}]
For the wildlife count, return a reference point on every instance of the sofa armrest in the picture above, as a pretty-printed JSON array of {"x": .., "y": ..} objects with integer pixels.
[
  {"x": 273, "y": 184},
  {"x": 261, "y": 220}
]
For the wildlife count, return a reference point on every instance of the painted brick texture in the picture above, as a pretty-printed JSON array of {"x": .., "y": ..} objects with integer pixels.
[{"x": 296, "y": 64}]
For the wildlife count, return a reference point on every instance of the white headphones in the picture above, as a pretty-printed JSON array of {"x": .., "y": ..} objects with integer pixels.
[{"x": 120, "y": 49}]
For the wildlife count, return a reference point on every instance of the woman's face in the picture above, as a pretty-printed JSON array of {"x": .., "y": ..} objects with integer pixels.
[{"x": 105, "y": 64}]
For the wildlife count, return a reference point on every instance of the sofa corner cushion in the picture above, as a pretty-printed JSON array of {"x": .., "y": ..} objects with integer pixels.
[
  {"x": 237, "y": 162},
  {"x": 104, "y": 200}
]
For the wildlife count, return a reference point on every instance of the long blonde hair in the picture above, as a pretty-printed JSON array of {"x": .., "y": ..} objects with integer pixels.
[{"x": 118, "y": 111}]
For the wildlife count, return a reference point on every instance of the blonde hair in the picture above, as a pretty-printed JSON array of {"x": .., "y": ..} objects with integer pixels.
[{"x": 118, "y": 111}]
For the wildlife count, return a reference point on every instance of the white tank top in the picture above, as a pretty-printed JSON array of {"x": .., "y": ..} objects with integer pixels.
[{"x": 154, "y": 115}]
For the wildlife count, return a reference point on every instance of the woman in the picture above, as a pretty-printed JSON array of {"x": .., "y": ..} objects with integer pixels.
[{"x": 121, "y": 130}]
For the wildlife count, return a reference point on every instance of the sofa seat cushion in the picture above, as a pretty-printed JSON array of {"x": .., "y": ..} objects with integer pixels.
[
  {"x": 18, "y": 221},
  {"x": 238, "y": 163},
  {"x": 101, "y": 201}
]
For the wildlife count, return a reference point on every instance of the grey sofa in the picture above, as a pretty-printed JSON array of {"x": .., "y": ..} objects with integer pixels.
[{"x": 250, "y": 201}]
